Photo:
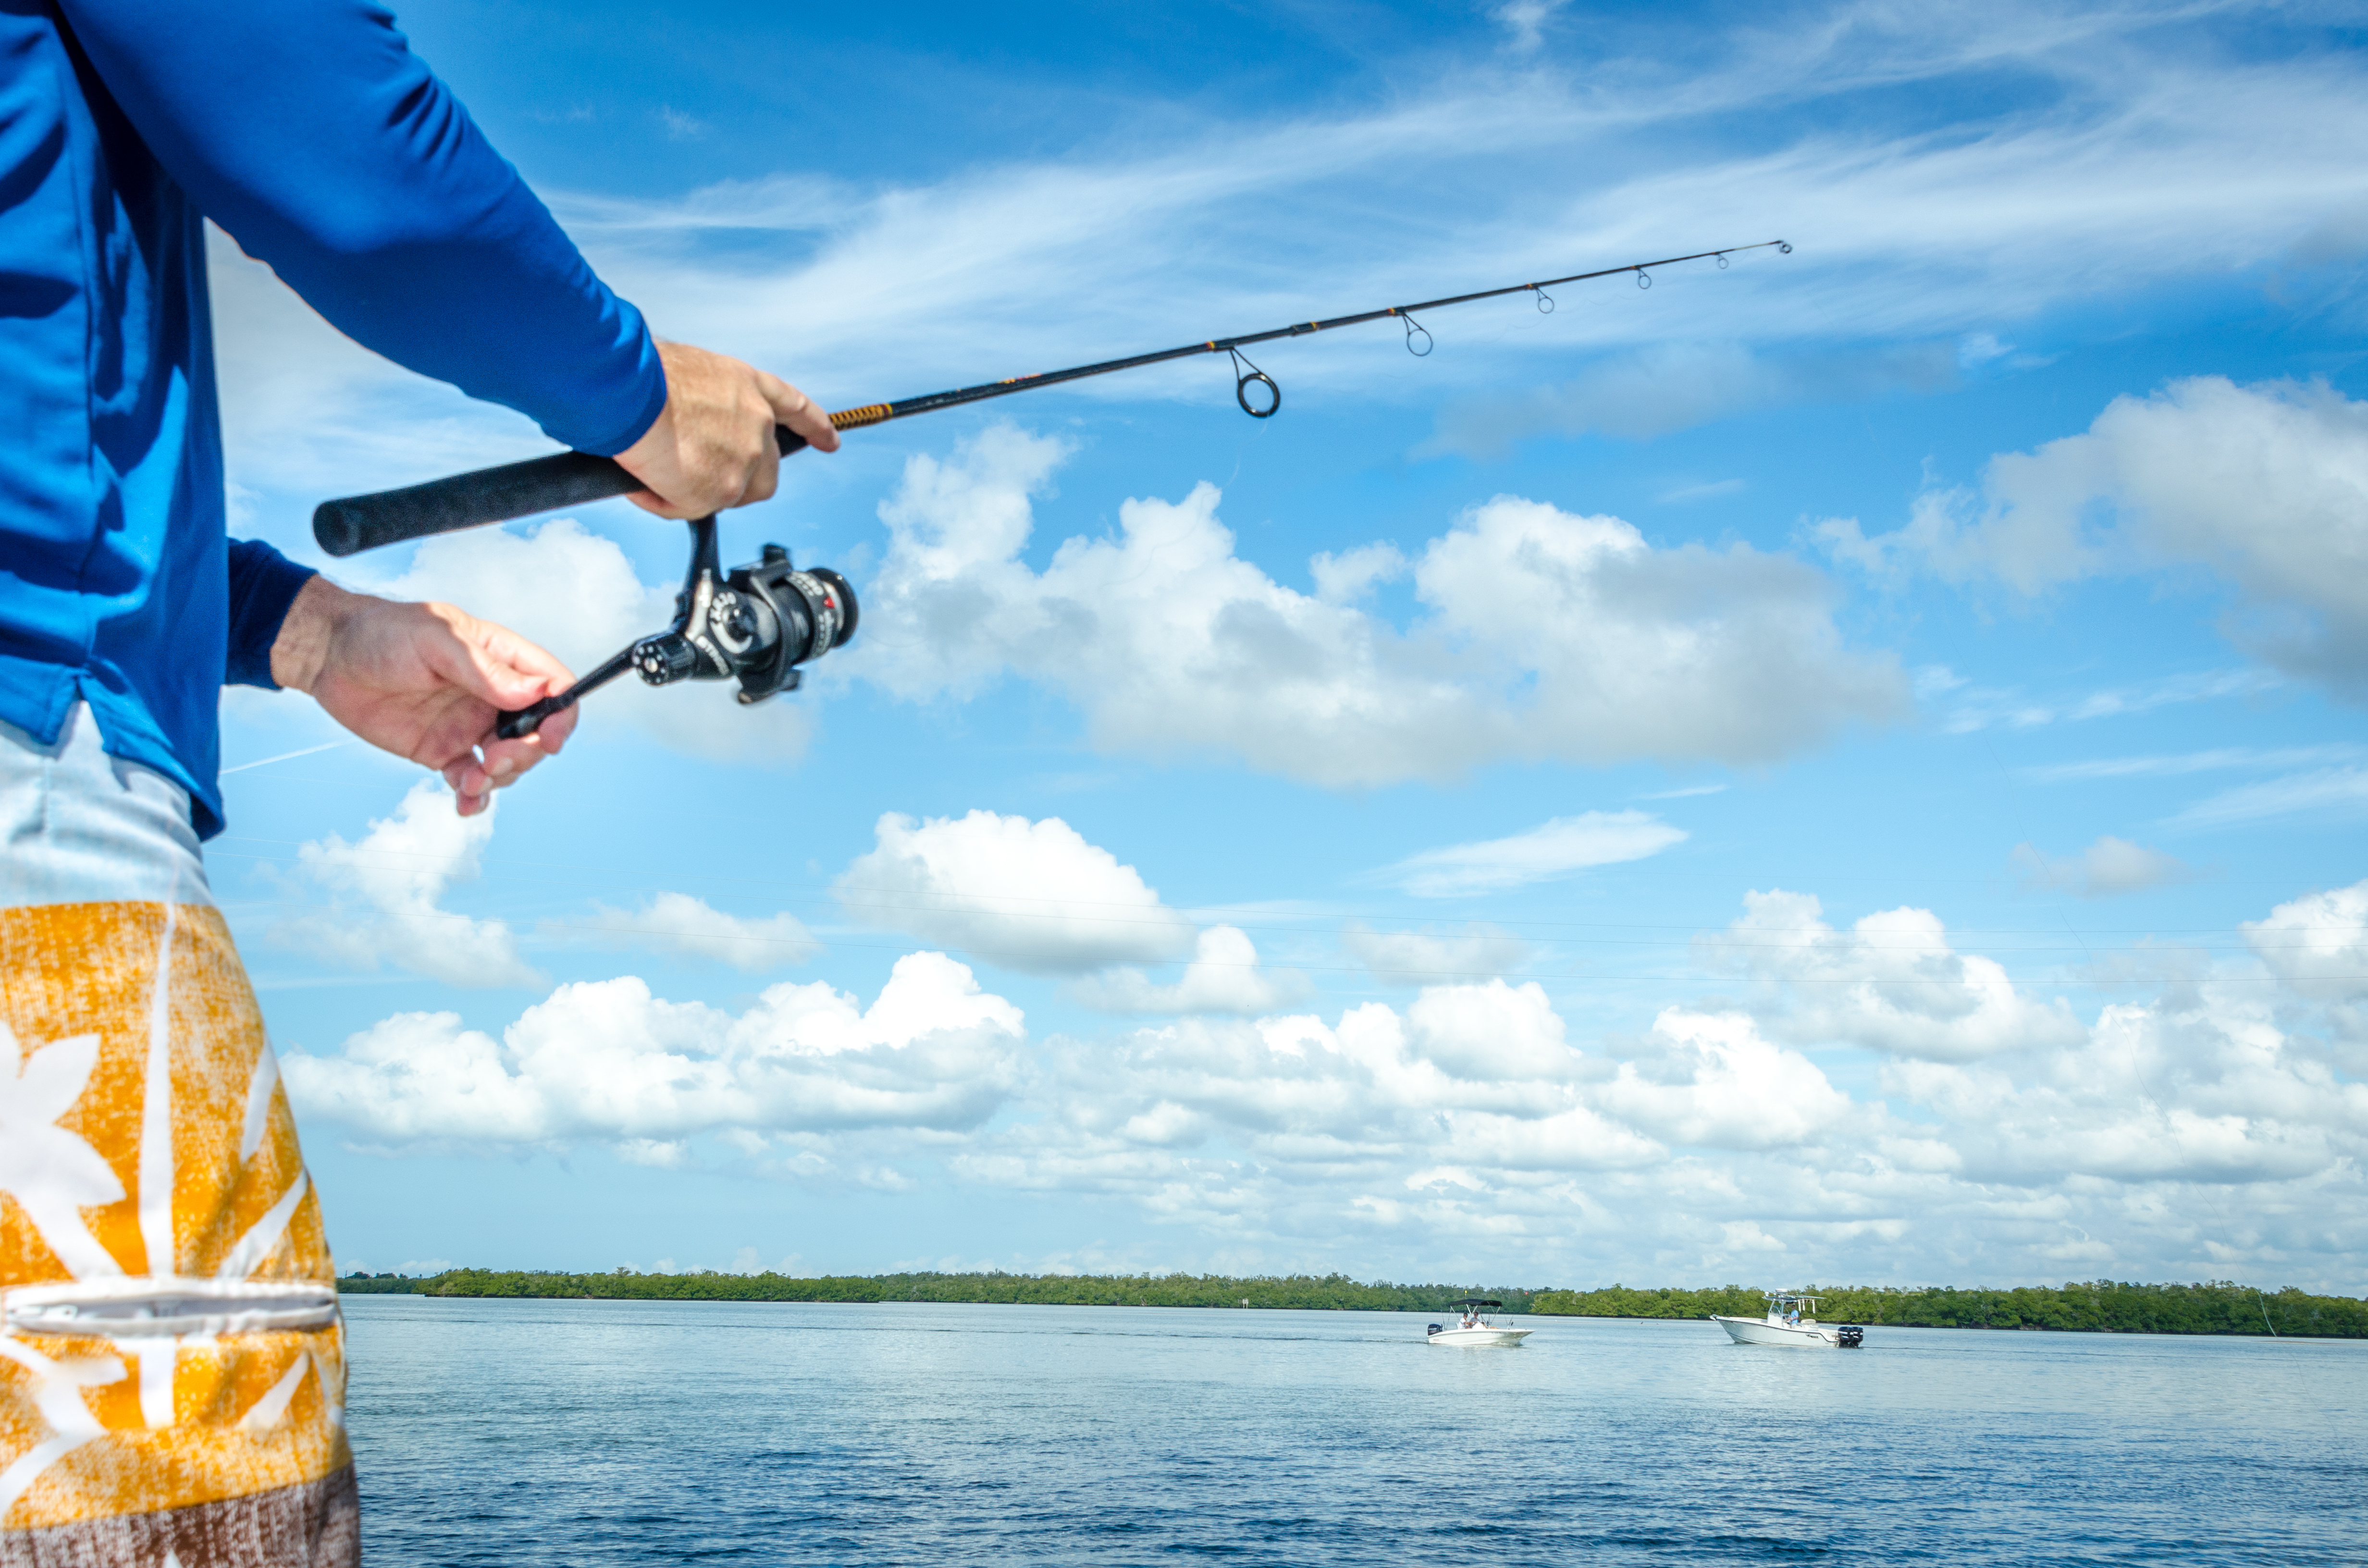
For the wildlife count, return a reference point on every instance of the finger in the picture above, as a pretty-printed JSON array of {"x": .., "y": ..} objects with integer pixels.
[
  {"x": 556, "y": 728},
  {"x": 799, "y": 412},
  {"x": 471, "y": 789},
  {"x": 507, "y": 761},
  {"x": 491, "y": 663}
]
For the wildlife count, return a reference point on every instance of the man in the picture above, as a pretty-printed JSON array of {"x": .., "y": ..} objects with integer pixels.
[{"x": 171, "y": 1362}]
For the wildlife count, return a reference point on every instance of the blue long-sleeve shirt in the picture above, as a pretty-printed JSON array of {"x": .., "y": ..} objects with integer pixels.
[{"x": 309, "y": 131}]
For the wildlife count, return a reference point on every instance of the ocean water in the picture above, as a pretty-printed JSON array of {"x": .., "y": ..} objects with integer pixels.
[{"x": 617, "y": 1432}]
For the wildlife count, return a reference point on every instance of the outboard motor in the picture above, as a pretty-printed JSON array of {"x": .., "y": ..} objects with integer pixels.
[
  {"x": 1850, "y": 1337},
  {"x": 1432, "y": 1329}
]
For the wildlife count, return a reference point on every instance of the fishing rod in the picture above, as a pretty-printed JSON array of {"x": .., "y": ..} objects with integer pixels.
[{"x": 758, "y": 622}]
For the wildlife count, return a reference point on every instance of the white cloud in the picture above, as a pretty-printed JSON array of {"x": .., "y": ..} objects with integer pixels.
[
  {"x": 2202, "y": 1089},
  {"x": 1893, "y": 983},
  {"x": 384, "y": 896},
  {"x": 1425, "y": 957},
  {"x": 2201, "y": 1131},
  {"x": 2106, "y": 868},
  {"x": 1351, "y": 574},
  {"x": 1551, "y": 850},
  {"x": 1492, "y": 1032},
  {"x": 608, "y": 1060},
  {"x": 1469, "y": 1121},
  {"x": 1526, "y": 20},
  {"x": 1548, "y": 635},
  {"x": 1483, "y": 1070},
  {"x": 678, "y": 923},
  {"x": 2317, "y": 943},
  {"x": 2265, "y": 485},
  {"x": 1223, "y": 976},
  {"x": 1029, "y": 895},
  {"x": 1711, "y": 1080}
]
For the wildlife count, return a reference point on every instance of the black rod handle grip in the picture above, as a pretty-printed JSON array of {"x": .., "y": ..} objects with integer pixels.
[
  {"x": 489, "y": 496},
  {"x": 356, "y": 523}
]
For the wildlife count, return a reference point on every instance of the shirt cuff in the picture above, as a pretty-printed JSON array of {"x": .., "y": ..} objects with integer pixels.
[{"x": 262, "y": 584}]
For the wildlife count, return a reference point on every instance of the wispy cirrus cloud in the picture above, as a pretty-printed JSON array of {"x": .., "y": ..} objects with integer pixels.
[
  {"x": 1551, "y": 850},
  {"x": 1972, "y": 708},
  {"x": 2321, "y": 789},
  {"x": 2179, "y": 764}
]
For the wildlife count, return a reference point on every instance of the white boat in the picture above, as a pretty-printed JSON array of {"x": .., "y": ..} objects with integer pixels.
[
  {"x": 1788, "y": 1323},
  {"x": 1471, "y": 1326}
]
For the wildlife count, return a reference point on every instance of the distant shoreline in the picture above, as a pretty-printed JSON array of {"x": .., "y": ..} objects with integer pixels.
[{"x": 2213, "y": 1307}]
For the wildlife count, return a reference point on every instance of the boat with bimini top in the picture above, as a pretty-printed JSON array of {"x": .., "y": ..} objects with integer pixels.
[
  {"x": 1471, "y": 1326},
  {"x": 1788, "y": 1323}
]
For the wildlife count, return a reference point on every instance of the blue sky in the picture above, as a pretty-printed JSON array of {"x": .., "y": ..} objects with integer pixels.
[{"x": 1844, "y": 765}]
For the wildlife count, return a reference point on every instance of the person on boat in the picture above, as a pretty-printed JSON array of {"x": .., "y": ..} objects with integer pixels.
[{"x": 145, "y": 1144}]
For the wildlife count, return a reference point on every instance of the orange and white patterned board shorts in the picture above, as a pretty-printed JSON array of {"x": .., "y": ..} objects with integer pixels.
[{"x": 172, "y": 1361}]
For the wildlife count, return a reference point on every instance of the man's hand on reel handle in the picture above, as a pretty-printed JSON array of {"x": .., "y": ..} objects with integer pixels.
[{"x": 423, "y": 681}]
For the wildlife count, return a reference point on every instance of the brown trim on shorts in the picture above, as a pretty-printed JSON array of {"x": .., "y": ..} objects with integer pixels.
[{"x": 316, "y": 1524}]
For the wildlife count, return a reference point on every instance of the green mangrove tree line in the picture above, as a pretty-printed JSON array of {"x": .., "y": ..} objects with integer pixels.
[
  {"x": 2099, "y": 1306},
  {"x": 1332, "y": 1292}
]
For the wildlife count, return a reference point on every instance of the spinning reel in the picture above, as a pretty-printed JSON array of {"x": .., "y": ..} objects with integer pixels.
[{"x": 755, "y": 624}]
